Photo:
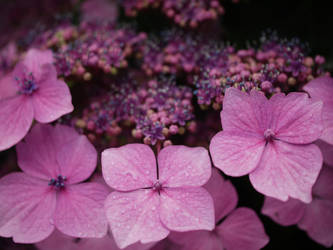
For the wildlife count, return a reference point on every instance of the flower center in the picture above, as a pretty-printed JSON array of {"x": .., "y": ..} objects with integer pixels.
[
  {"x": 157, "y": 186},
  {"x": 27, "y": 84},
  {"x": 269, "y": 135},
  {"x": 58, "y": 182}
]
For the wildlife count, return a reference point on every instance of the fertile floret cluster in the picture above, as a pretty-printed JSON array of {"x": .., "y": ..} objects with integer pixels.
[
  {"x": 157, "y": 108},
  {"x": 277, "y": 65},
  {"x": 97, "y": 46},
  {"x": 183, "y": 12}
]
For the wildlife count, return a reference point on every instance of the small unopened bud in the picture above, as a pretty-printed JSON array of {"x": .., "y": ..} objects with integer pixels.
[
  {"x": 87, "y": 76},
  {"x": 181, "y": 130},
  {"x": 147, "y": 140},
  {"x": 80, "y": 123},
  {"x": 291, "y": 81},
  {"x": 167, "y": 143}
]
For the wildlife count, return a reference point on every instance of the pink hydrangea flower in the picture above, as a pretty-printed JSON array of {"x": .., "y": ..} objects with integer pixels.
[
  {"x": 321, "y": 89},
  {"x": 240, "y": 227},
  {"x": 48, "y": 193},
  {"x": 270, "y": 141},
  {"x": 153, "y": 198},
  {"x": 31, "y": 91},
  {"x": 316, "y": 218}
]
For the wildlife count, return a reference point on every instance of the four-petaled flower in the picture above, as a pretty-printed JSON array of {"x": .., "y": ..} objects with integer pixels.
[
  {"x": 31, "y": 91},
  {"x": 153, "y": 198},
  {"x": 270, "y": 141},
  {"x": 48, "y": 194}
]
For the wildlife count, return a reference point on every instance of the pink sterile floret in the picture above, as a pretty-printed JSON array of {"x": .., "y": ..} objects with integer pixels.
[
  {"x": 149, "y": 201},
  {"x": 236, "y": 228},
  {"x": 31, "y": 91},
  {"x": 316, "y": 218},
  {"x": 321, "y": 89},
  {"x": 48, "y": 193},
  {"x": 270, "y": 141}
]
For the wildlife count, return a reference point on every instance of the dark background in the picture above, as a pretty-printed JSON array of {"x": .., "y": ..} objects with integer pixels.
[{"x": 311, "y": 21}]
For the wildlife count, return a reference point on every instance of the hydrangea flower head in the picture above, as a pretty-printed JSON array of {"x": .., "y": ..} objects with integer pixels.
[
  {"x": 48, "y": 193},
  {"x": 270, "y": 141},
  {"x": 316, "y": 218},
  {"x": 157, "y": 107},
  {"x": 151, "y": 199},
  {"x": 236, "y": 228},
  {"x": 31, "y": 91},
  {"x": 321, "y": 89}
]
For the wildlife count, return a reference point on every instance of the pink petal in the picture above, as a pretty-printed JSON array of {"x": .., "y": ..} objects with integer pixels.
[
  {"x": 246, "y": 113},
  {"x": 37, "y": 154},
  {"x": 80, "y": 210},
  {"x": 181, "y": 166},
  {"x": 321, "y": 89},
  {"x": 27, "y": 207},
  {"x": 285, "y": 213},
  {"x": 77, "y": 159},
  {"x": 129, "y": 167},
  {"x": 242, "y": 229},
  {"x": 223, "y": 193},
  {"x": 16, "y": 115},
  {"x": 287, "y": 170},
  {"x": 134, "y": 216},
  {"x": 186, "y": 209},
  {"x": 296, "y": 118},
  {"x": 35, "y": 59},
  {"x": 197, "y": 240},
  {"x": 8, "y": 87},
  {"x": 56, "y": 241},
  {"x": 62, "y": 135},
  {"x": 327, "y": 150},
  {"x": 318, "y": 221},
  {"x": 52, "y": 99},
  {"x": 323, "y": 188},
  {"x": 236, "y": 154}
]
